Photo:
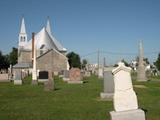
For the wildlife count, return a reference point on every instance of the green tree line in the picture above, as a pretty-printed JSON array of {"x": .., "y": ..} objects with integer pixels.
[{"x": 6, "y": 60}]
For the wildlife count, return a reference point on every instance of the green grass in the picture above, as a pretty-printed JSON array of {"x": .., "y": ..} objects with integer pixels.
[{"x": 69, "y": 102}]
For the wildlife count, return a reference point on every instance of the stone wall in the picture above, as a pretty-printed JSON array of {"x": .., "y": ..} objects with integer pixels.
[
  {"x": 25, "y": 56},
  {"x": 52, "y": 60}
]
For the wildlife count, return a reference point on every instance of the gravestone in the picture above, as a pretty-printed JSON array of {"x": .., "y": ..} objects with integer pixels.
[
  {"x": 61, "y": 73},
  {"x": 49, "y": 84},
  {"x": 108, "y": 84},
  {"x": 141, "y": 73},
  {"x": 4, "y": 77},
  {"x": 75, "y": 76},
  {"x": 43, "y": 76},
  {"x": 87, "y": 74},
  {"x": 17, "y": 77},
  {"x": 65, "y": 75},
  {"x": 125, "y": 99}
]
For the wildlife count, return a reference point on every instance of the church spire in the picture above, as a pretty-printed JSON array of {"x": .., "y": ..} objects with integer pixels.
[
  {"x": 22, "y": 34},
  {"x": 23, "y": 28},
  {"x": 48, "y": 27}
]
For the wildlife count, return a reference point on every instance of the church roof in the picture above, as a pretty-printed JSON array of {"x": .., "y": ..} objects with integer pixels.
[
  {"x": 22, "y": 65},
  {"x": 45, "y": 39}
]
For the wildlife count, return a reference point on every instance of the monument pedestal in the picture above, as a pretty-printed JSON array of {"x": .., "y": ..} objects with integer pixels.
[
  {"x": 17, "y": 82},
  {"x": 75, "y": 82},
  {"x": 34, "y": 82},
  {"x": 65, "y": 79},
  {"x": 137, "y": 114},
  {"x": 42, "y": 80},
  {"x": 106, "y": 96}
]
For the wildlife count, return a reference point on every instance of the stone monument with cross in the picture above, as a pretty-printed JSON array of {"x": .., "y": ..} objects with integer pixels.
[{"x": 125, "y": 99}]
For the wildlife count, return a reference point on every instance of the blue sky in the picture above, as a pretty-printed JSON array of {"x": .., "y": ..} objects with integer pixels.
[{"x": 85, "y": 26}]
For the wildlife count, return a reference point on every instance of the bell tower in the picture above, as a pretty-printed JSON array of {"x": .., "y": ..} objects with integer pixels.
[{"x": 22, "y": 35}]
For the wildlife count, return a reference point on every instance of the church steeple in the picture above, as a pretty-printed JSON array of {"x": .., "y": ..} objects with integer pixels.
[
  {"x": 48, "y": 27},
  {"x": 22, "y": 34},
  {"x": 23, "y": 28}
]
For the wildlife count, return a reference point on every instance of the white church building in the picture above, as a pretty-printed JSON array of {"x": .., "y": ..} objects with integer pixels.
[{"x": 50, "y": 52}]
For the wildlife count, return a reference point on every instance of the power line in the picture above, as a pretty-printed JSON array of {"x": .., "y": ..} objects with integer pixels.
[
  {"x": 88, "y": 54},
  {"x": 119, "y": 53}
]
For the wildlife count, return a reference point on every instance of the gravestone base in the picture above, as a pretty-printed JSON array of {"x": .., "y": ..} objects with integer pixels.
[
  {"x": 137, "y": 114},
  {"x": 61, "y": 76},
  {"x": 17, "y": 82},
  {"x": 34, "y": 82},
  {"x": 106, "y": 96},
  {"x": 42, "y": 80},
  {"x": 75, "y": 82},
  {"x": 65, "y": 79},
  {"x": 55, "y": 73}
]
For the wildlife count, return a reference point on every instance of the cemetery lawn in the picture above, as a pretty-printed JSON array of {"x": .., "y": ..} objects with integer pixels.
[{"x": 70, "y": 102}]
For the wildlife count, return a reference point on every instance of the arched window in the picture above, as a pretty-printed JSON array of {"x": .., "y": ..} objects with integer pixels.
[
  {"x": 24, "y": 38},
  {"x": 21, "y": 39}
]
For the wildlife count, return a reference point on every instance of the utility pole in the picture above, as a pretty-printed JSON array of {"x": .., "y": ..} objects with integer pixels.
[
  {"x": 98, "y": 60},
  {"x": 104, "y": 62}
]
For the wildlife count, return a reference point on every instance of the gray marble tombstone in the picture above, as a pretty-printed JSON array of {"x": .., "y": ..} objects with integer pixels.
[
  {"x": 108, "y": 84},
  {"x": 65, "y": 75},
  {"x": 18, "y": 77}
]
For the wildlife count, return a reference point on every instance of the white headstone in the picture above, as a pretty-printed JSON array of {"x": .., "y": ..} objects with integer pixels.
[
  {"x": 124, "y": 96},
  {"x": 125, "y": 99}
]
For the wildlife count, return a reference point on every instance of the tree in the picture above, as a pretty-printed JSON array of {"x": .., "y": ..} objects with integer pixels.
[
  {"x": 157, "y": 63},
  {"x": 74, "y": 60},
  {"x": 146, "y": 61},
  {"x": 4, "y": 61},
  {"x": 84, "y": 63},
  {"x": 13, "y": 56},
  {"x": 126, "y": 64},
  {"x": 1, "y": 60}
]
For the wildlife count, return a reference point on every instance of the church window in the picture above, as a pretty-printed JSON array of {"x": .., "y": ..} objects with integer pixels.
[
  {"x": 24, "y": 39},
  {"x": 21, "y": 39}
]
